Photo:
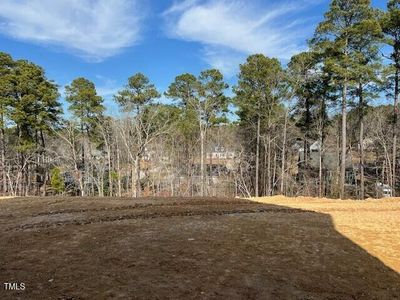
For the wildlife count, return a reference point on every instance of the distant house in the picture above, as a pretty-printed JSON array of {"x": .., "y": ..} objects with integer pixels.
[
  {"x": 315, "y": 147},
  {"x": 217, "y": 158},
  {"x": 329, "y": 156},
  {"x": 383, "y": 190},
  {"x": 219, "y": 152},
  {"x": 330, "y": 159}
]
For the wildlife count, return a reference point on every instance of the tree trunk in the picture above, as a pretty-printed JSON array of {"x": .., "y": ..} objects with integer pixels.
[
  {"x": 37, "y": 164},
  {"x": 272, "y": 184},
  {"x": 202, "y": 187},
  {"x": 45, "y": 174},
  {"x": 100, "y": 179},
  {"x": 78, "y": 172},
  {"x": 395, "y": 115},
  {"x": 133, "y": 181},
  {"x": 269, "y": 173},
  {"x": 256, "y": 194},
  {"x": 119, "y": 172},
  {"x": 321, "y": 137},
  {"x": 320, "y": 169},
  {"x": 344, "y": 138},
  {"x": 83, "y": 167},
  {"x": 21, "y": 169},
  {"x": 27, "y": 181},
  {"x": 361, "y": 138},
  {"x": 108, "y": 145},
  {"x": 188, "y": 171},
  {"x": 137, "y": 184},
  {"x": 320, "y": 159},
  {"x": 283, "y": 164},
  {"x": 82, "y": 184},
  {"x": 209, "y": 176},
  {"x": 110, "y": 178},
  {"x": 3, "y": 158},
  {"x": 362, "y": 179},
  {"x": 263, "y": 170},
  {"x": 305, "y": 147}
]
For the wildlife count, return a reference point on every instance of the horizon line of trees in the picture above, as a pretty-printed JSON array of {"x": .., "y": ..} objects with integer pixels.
[{"x": 320, "y": 102}]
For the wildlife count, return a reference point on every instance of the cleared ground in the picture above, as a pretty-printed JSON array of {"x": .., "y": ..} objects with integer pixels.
[{"x": 100, "y": 248}]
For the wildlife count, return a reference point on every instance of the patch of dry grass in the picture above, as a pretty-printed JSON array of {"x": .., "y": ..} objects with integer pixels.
[
  {"x": 6, "y": 197},
  {"x": 372, "y": 224}
]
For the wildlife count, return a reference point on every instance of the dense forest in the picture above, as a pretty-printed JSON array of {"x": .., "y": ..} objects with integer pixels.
[{"x": 324, "y": 124}]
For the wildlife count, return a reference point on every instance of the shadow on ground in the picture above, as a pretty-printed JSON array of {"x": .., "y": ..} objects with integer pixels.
[{"x": 182, "y": 249}]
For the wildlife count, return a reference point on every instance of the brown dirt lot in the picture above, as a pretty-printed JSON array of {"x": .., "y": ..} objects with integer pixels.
[{"x": 101, "y": 248}]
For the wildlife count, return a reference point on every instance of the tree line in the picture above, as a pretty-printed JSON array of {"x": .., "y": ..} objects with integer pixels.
[{"x": 316, "y": 126}]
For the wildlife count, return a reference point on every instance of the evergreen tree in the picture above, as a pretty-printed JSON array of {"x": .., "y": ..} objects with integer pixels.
[
  {"x": 257, "y": 97},
  {"x": 138, "y": 93},
  {"x": 34, "y": 110},
  {"x": 85, "y": 104},
  {"x": 311, "y": 86},
  {"x": 367, "y": 70},
  {"x": 136, "y": 98},
  {"x": 302, "y": 77},
  {"x": 390, "y": 23},
  {"x": 210, "y": 109},
  {"x": 87, "y": 107},
  {"x": 203, "y": 96},
  {"x": 6, "y": 96},
  {"x": 57, "y": 181},
  {"x": 346, "y": 25},
  {"x": 184, "y": 90}
]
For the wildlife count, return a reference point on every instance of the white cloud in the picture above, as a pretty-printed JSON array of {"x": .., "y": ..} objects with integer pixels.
[
  {"x": 107, "y": 87},
  {"x": 93, "y": 29},
  {"x": 224, "y": 59},
  {"x": 231, "y": 30},
  {"x": 180, "y": 6}
]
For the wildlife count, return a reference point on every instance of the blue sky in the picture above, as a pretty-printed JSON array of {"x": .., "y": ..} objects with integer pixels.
[{"x": 108, "y": 41}]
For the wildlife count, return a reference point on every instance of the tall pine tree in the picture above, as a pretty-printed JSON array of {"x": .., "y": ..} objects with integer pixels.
[
  {"x": 345, "y": 26},
  {"x": 135, "y": 98},
  {"x": 257, "y": 97},
  {"x": 87, "y": 107},
  {"x": 390, "y": 23}
]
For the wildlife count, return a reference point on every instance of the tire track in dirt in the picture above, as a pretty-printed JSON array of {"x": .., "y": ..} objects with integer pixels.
[
  {"x": 153, "y": 215},
  {"x": 143, "y": 205}
]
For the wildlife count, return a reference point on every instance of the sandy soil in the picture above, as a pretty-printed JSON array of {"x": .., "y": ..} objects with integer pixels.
[
  {"x": 92, "y": 248},
  {"x": 373, "y": 224}
]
